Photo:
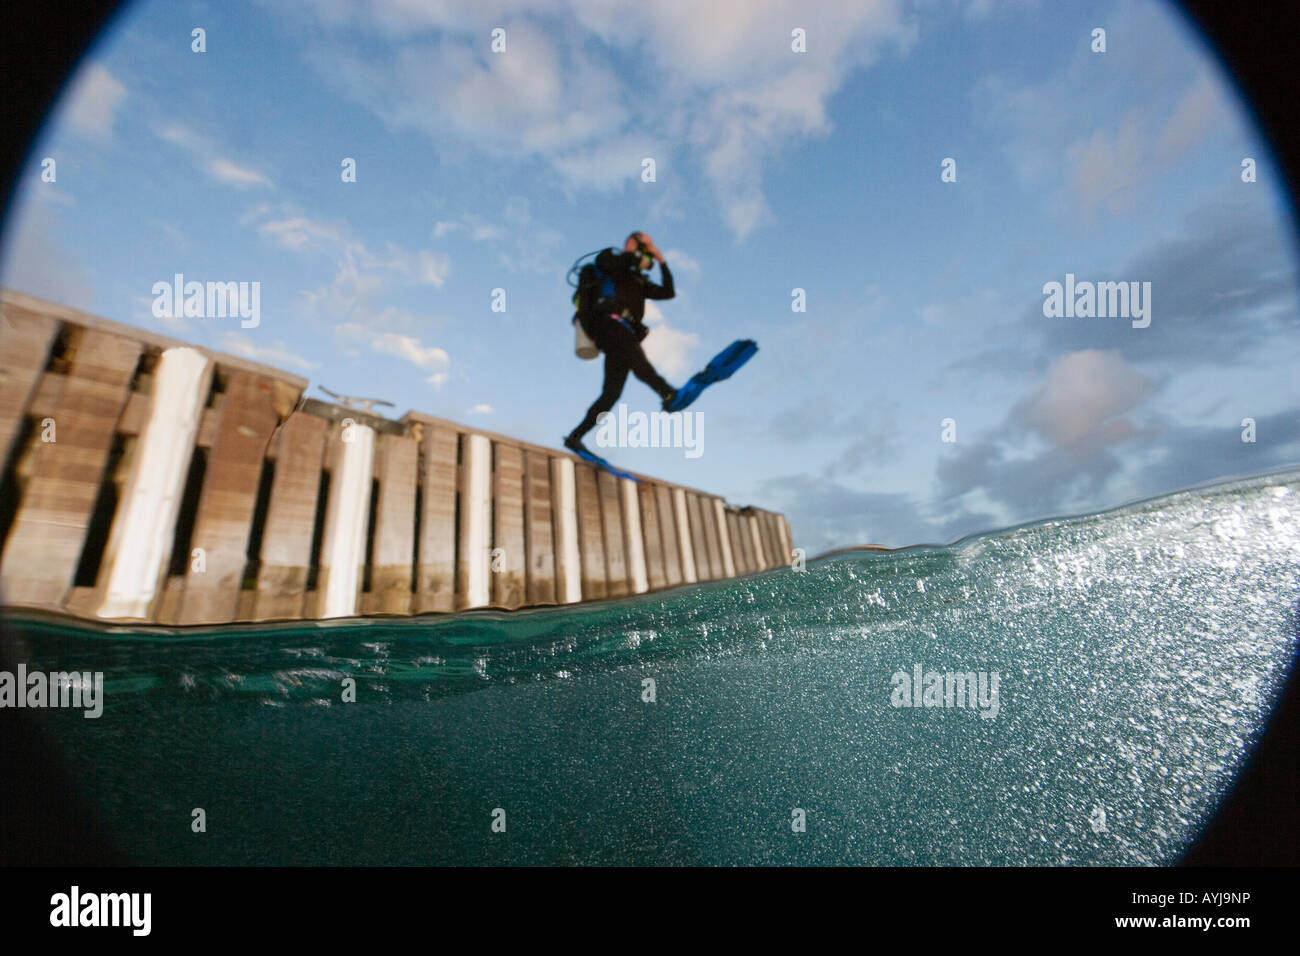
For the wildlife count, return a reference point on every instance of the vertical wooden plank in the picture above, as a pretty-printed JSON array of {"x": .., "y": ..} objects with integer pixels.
[
  {"x": 49, "y": 528},
  {"x": 786, "y": 541},
  {"x": 682, "y": 525},
  {"x": 760, "y": 556},
  {"x": 746, "y": 543},
  {"x": 290, "y": 519},
  {"x": 771, "y": 541},
  {"x": 25, "y": 340},
  {"x": 751, "y": 549},
  {"x": 632, "y": 536},
  {"x": 615, "y": 549},
  {"x": 390, "y": 570},
  {"x": 756, "y": 517},
  {"x": 651, "y": 535},
  {"x": 436, "y": 574},
  {"x": 564, "y": 504},
  {"x": 473, "y": 581},
  {"x": 540, "y": 543},
  {"x": 227, "y": 501},
  {"x": 703, "y": 570},
  {"x": 724, "y": 538},
  {"x": 140, "y": 540},
  {"x": 765, "y": 535},
  {"x": 711, "y": 537},
  {"x": 668, "y": 532},
  {"x": 508, "y": 495},
  {"x": 737, "y": 545},
  {"x": 738, "y": 561},
  {"x": 592, "y": 537}
]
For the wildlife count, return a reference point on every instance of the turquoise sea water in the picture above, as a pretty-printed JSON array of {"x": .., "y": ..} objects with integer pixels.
[{"x": 1138, "y": 652}]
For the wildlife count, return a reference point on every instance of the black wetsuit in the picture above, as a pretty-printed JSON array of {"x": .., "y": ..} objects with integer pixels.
[{"x": 619, "y": 336}]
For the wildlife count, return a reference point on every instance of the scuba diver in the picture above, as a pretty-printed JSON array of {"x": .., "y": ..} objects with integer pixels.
[{"x": 611, "y": 306}]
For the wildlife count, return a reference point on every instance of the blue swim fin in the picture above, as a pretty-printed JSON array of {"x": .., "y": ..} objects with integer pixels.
[
  {"x": 721, "y": 366},
  {"x": 602, "y": 463}
]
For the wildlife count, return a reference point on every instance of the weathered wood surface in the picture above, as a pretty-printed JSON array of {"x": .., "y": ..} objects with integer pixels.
[
  {"x": 290, "y": 519},
  {"x": 591, "y": 534},
  {"x": 509, "y": 559},
  {"x": 229, "y": 497},
  {"x": 537, "y": 521},
  {"x": 436, "y": 577},
  {"x": 611, "y": 516},
  {"x": 49, "y": 529},
  {"x": 25, "y": 340},
  {"x": 394, "y": 547}
]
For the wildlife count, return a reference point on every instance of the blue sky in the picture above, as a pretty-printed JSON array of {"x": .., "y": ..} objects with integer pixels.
[{"x": 775, "y": 170}]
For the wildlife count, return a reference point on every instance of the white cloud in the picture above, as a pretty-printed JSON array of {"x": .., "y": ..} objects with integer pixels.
[
  {"x": 208, "y": 160},
  {"x": 409, "y": 348},
  {"x": 360, "y": 269},
  {"x": 669, "y": 350},
  {"x": 717, "y": 83},
  {"x": 423, "y": 267},
  {"x": 1120, "y": 137},
  {"x": 1110, "y": 167},
  {"x": 362, "y": 277},
  {"x": 232, "y": 174},
  {"x": 481, "y": 409},
  {"x": 1082, "y": 396},
  {"x": 274, "y": 353},
  {"x": 1199, "y": 111},
  {"x": 92, "y": 102},
  {"x": 405, "y": 347},
  {"x": 679, "y": 261},
  {"x": 298, "y": 232},
  {"x": 528, "y": 244}
]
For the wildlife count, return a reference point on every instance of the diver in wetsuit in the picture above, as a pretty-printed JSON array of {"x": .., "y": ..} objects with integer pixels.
[{"x": 615, "y": 324}]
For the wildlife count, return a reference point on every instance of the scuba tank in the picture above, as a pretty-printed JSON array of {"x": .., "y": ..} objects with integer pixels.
[
  {"x": 583, "y": 346},
  {"x": 593, "y": 285}
]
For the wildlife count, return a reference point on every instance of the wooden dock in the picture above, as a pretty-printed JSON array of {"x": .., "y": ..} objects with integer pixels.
[{"x": 148, "y": 480}]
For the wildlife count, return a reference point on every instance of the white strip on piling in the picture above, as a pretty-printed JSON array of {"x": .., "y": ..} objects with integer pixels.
[
  {"x": 476, "y": 520},
  {"x": 632, "y": 535},
  {"x": 728, "y": 562},
  {"x": 684, "y": 536},
  {"x": 568, "y": 563},
  {"x": 141, "y": 538},
  {"x": 784, "y": 531},
  {"x": 343, "y": 548}
]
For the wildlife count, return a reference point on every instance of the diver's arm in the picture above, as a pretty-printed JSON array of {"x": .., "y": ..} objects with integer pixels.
[{"x": 665, "y": 291}]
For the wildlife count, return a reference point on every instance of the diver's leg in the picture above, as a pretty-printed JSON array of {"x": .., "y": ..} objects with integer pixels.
[
  {"x": 636, "y": 359},
  {"x": 615, "y": 376}
]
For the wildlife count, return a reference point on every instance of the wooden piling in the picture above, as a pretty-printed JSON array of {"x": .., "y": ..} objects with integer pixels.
[
  {"x": 226, "y": 503},
  {"x": 48, "y": 534},
  {"x": 509, "y": 559},
  {"x": 394, "y": 533},
  {"x": 291, "y": 519}
]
